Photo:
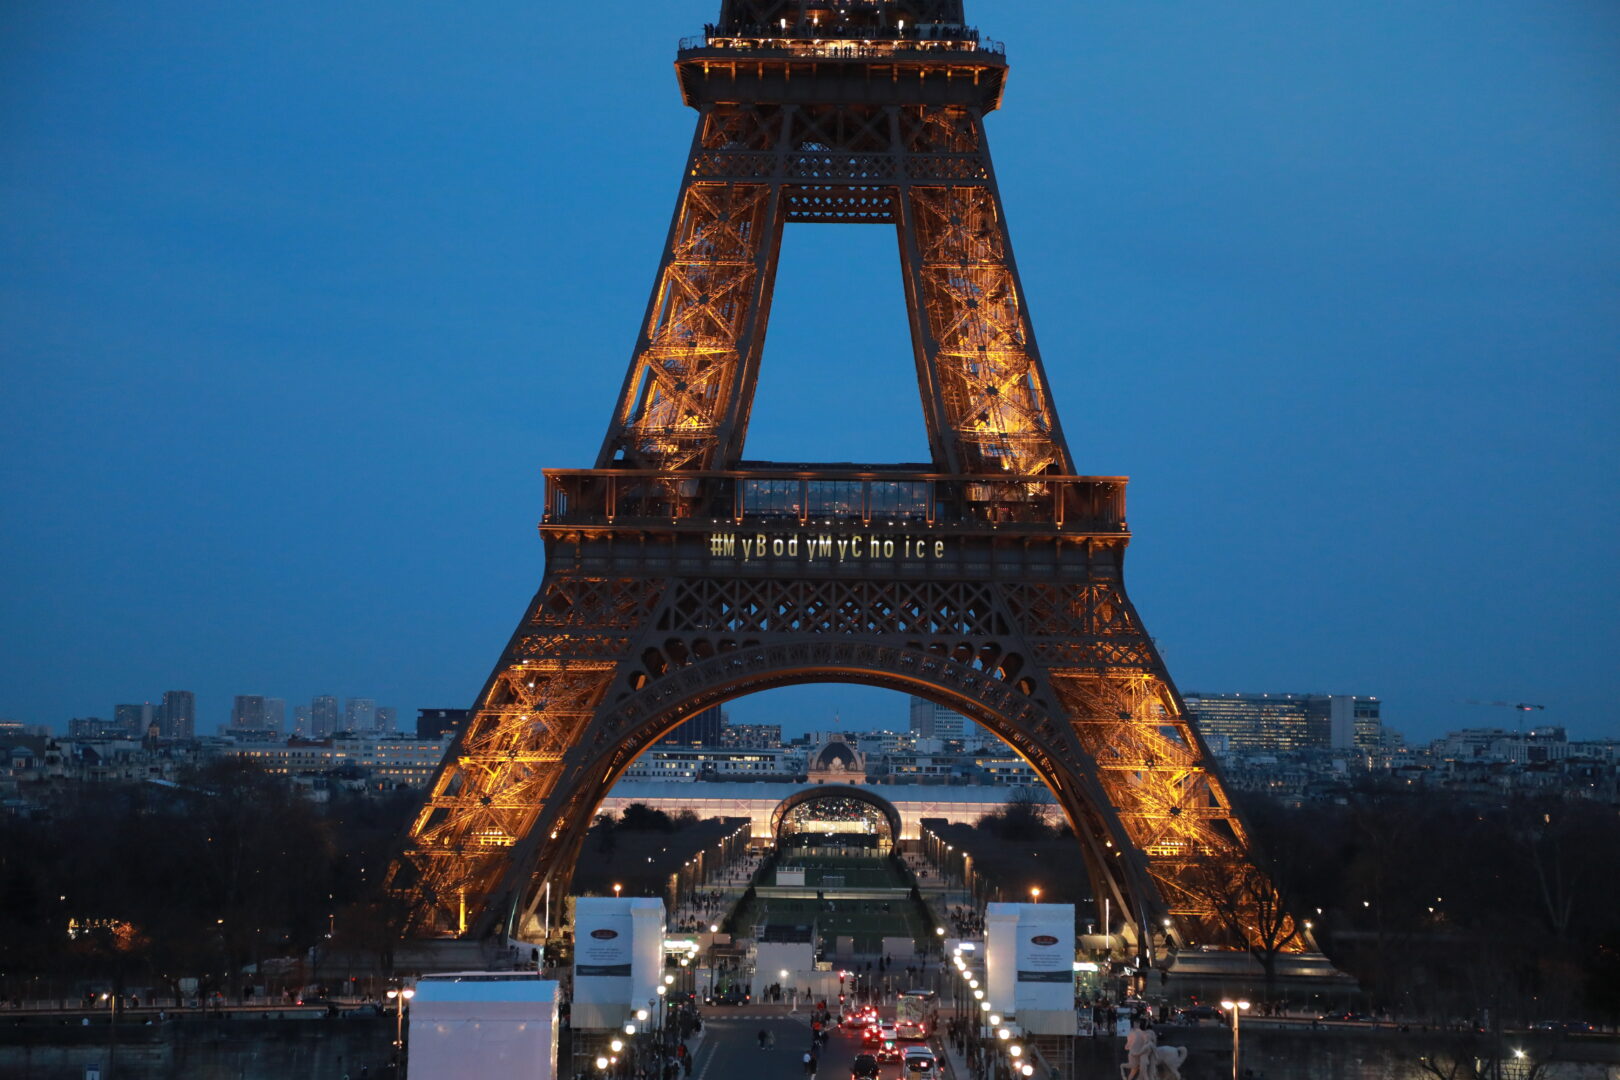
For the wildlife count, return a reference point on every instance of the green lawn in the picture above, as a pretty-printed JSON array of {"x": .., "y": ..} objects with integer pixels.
[{"x": 867, "y": 921}]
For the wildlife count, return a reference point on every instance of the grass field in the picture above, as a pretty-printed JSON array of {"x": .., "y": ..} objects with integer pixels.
[{"x": 868, "y": 922}]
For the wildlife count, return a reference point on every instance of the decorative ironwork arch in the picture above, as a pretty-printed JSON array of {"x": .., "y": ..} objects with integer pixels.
[{"x": 641, "y": 718}]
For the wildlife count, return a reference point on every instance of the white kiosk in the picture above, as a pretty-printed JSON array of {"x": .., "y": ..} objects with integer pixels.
[
  {"x": 478, "y": 1024},
  {"x": 618, "y": 958},
  {"x": 1029, "y": 965}
]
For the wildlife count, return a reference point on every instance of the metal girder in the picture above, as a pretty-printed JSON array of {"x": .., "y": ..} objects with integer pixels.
[{"x": 753, "y": 168}]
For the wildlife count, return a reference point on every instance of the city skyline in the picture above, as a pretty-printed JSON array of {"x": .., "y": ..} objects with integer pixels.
[{"x": 1351, "y": 335}]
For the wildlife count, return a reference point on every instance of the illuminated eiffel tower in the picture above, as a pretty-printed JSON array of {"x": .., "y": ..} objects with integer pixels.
[{"x": 990, "y": 579}]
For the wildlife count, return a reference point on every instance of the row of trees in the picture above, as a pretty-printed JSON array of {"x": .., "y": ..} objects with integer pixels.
[
  {"x": 1492, "y": 910},
  {"x": 1441, "y": 906},
  {"x": 144, "y": 884}
]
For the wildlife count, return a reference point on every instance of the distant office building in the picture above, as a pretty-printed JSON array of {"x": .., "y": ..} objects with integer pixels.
[
  {"x": 706, "y": 728},
  {"x": 387, "y": 761},
  {"x": 275, "y": 714},
  {"x": 387, "y": 719},
  {"x": 1260, "y": 723},
  {"x": 940, "y": 722},
  {"x": 323, "y": 716},
  {"x": 301, "y": 715},
  {"x": 179, "y": 715},
  {"x": 692, "y": 763},
  {"x": 247, "y": 712},
  {"x": 1286, "y": 723},
  {"x": 752, "y": 736},
  {"x": 94, "y": 727},
  {"x": 360, "y": 715},
  {"x": 435, "y": 723},
  {"x": 133, "y": 719},
  {"x": 1355, "y": 722}
]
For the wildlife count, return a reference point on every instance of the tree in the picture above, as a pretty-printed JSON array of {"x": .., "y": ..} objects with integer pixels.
[
  {"x": 1248, "y": 905},
  {"x": 1483, "y": 1057},
  {"x": 639, "y": 817},
  {"x": 1022, "y": 817}
]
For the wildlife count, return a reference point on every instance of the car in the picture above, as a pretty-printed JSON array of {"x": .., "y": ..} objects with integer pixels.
[
  {"x": 888, "y": 1052},
  {"x": 860, "y": 1018},
  {"x": 865, "y": 1067},
  {"x": 920, "y": 1061},
  {"x": 1344, "y": 1017}
]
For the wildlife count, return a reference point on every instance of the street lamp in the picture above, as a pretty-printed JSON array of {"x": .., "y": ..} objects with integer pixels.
[
  {"x": 399, "y": 998},
  {"x": 1236, "y": 1008},
  {"x": 616, "y": 889},
  {"x": 1035, "y": 893}
]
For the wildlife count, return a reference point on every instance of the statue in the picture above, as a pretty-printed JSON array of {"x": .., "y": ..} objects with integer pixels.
[{"x": 1145, "y": 1059}]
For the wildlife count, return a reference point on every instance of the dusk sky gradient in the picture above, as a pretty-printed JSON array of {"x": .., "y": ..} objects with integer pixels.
[{"x": 296, "y": 300}]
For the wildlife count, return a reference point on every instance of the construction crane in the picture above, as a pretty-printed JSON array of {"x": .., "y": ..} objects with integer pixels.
[{"x": 1518, "y": 706}]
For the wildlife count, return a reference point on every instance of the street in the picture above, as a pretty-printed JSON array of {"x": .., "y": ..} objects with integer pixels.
[{"x": 730, "y": 1049}]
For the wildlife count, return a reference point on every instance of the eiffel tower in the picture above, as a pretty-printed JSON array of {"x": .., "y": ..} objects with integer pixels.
[{"x": 990, "y": 579}]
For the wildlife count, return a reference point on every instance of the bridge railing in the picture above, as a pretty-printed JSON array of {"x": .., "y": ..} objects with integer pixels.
[{"x": 634, "y": 498}]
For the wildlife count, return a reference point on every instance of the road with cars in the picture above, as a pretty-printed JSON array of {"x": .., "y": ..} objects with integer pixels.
[{"x": 730, "y": 1048}]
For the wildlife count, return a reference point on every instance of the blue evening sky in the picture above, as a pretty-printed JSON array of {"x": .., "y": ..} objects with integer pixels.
[{"x": 296, "y": 299}]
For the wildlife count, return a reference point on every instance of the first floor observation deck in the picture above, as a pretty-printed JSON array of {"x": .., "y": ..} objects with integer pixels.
[{"x": 860, "y": 496}]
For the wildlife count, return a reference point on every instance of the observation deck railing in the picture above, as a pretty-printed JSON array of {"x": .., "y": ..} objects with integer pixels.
[
  {"x": 635, "y": 499},
  {"x": 843, "y": 43}
]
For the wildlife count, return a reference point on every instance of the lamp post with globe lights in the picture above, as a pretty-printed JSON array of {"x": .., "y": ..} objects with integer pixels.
[
  {"x": 399, "y": 998},
  {"x": 1237, "y": 1009}
]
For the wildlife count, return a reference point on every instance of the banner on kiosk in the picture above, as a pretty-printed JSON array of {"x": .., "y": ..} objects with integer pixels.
[
  {"x": 1045, "y": 957},
  {"x": 602, "y": 944}
]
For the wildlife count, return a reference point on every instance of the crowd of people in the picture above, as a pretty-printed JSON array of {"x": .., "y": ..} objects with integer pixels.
[
  {"x": 701, "y": 910},
  {"x": 967, "y": 922}
]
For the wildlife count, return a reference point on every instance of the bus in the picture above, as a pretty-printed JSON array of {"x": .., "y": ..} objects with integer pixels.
[{"x": 916, "y": 1014}]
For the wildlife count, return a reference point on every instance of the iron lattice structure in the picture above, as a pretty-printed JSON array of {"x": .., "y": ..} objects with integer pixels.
[{"x": 679, "y": 576}]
